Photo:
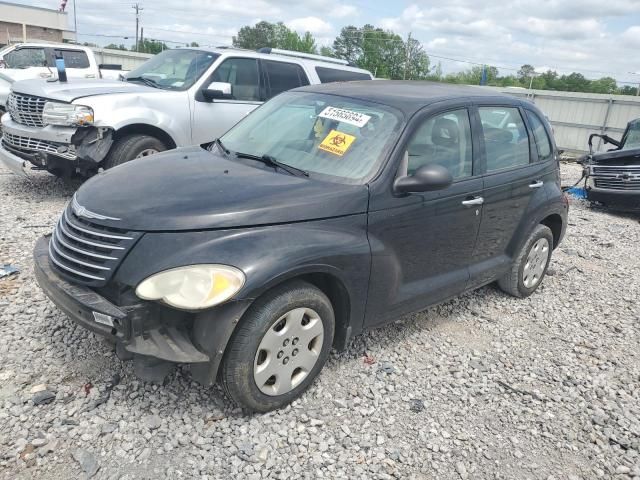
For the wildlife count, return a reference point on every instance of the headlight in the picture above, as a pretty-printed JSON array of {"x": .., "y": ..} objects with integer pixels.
[
  {"x": 66, "y": 114},
  {"x": 193, "y": 287}
]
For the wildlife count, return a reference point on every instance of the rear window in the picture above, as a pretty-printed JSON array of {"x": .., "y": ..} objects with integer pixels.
[
  {"x": 74, "y": 58},
  {"x": 283, "y": 76},
  {"x": 328, "y": 75}
]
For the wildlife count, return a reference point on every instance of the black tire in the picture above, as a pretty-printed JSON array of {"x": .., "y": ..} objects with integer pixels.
[
  {"x": 513, "y": 282},
  {"x": 127, "y": 148},
  {"x": 237, "y": 369}
]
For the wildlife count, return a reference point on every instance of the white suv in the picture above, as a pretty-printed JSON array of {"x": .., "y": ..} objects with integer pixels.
[{"x": 181, "y": 97}]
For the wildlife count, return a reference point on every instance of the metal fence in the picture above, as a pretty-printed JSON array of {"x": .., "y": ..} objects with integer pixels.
[{"x": 574, "y": 115}]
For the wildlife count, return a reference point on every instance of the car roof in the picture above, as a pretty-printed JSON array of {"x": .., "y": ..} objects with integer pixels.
[
  {"x": 409, "y": 96},
  {"x": 312, "y": 62}
]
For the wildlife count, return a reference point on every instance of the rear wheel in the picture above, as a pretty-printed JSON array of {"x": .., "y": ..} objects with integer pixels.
[
  {"x": 530, "y": 266},
  {"x": 131, "y": 147},
  {"x": 279, "y": 348}
]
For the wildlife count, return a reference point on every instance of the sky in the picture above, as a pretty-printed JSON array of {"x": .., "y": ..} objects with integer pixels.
[{"x": 593, "y": 37}]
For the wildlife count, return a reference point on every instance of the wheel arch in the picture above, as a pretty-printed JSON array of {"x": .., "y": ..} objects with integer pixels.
[
  {"x": 333, "y": 287},
  {"x": 555, "y": 224},
  {"x": 145, "y": 129}
]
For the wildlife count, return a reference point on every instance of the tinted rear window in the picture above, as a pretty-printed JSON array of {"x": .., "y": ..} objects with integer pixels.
[
  {"x": 74, "y": 58},
  {"x": 328, "y": 75},
  {"x": 284, "y": 76}
]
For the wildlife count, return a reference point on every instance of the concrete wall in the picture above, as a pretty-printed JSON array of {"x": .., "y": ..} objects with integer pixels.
[
  {"x": 574, "y": 116},
  {"x": 19, "y": 23}
]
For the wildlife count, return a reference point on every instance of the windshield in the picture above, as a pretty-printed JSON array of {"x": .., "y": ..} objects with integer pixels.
[
  {"x": 632, "y": 136},
  {"x": 173, "y": 69},
  {"x": 343, "y": 139}
]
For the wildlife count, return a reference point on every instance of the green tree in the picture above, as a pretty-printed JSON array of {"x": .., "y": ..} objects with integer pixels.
[
  {"x": 604, "y": 85},
  {"x": 148, "y": 45},
  {"x": 382, "y": 52},
  {"x": 628, "y": 90},
  {"x": 113, "y": 46},
  {"x": 273, "y": 35},
  {"x": 193, "y": 44},
  {"x": 525, "y": 73}
]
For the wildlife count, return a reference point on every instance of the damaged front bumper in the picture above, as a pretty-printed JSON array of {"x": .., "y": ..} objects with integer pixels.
[
  {"x": 54, "y": 148},
  {"x": 144, "y": 328}
]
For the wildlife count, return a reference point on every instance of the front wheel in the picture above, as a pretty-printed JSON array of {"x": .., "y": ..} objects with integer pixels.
[
  {"x": 131, "y": 147},
  {"x": 280, "y": 346},
  {"x": 530, "y": 265}
]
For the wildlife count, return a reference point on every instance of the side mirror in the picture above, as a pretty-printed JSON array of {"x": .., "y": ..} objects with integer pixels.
[
  {"x": 426, "y": 179},
  {"x": 218, "y": 90}
]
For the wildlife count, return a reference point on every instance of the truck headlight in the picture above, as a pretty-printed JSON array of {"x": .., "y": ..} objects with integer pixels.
[
  {"x": 193, "y": 287},
  {"x": 66, "y": 114}
]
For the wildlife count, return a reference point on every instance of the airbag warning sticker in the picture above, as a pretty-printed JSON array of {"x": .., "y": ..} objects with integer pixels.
[
  {"x": 337, "y": 142},
  {"x": 346, "y": 116}
]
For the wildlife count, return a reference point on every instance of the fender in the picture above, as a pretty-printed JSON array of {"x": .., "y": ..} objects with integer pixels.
[
  {"x": 268, "y": 256},
  {"x": 167, "y": 111}
]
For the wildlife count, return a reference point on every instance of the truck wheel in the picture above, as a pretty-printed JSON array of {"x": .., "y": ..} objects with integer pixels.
[
  {"x": 280, "y": 346},
  {"x": 131, "y": 147},
  {"x": 530, "y": 266}
]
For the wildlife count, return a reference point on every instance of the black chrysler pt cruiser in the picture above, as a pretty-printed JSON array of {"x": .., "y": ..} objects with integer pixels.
[{"x": 329, "y": 210}]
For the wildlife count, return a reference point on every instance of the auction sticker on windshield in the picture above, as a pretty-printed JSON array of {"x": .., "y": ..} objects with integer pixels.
[
  {"x": 337, "y": 143},
  {"x": 346, "y": 116}
]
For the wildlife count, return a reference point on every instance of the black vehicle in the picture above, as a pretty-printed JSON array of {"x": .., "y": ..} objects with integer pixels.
[
  {"x": 613, "y": 177},
  {"x": 329, "y": 210}
]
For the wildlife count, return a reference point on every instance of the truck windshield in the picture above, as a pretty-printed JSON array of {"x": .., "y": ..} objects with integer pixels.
[
  {"x": 336, "y": 138},
  {"x": 631, "y": 138},
  {"x": 173, "y": 69}
]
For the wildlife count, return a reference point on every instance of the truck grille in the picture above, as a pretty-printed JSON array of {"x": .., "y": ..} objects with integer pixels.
[
  {"x": 613, "y": 170},
  {"x": 618, "y": 183},
  {"x": 86, "y": 252},
  {"x": 617, "y": 177},
  {"x": 26, "y": 109},
  {"x": 28, "y": 144}
]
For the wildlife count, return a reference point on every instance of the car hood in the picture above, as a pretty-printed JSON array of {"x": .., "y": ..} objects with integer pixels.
[
  {"x": 193, "y": 189},
  {"x": 75, "y": 89},
  {"x": 617, "y": 157}
]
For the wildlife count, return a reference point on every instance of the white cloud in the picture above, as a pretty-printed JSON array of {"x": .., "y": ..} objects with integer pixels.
[
  {"x": 343, "y": 11},
  {"x": 310, "y": 24}
]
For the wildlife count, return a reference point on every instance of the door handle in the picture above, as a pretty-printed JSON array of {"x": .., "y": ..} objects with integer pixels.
[
  {"x": 536, "y": 184},
  {"x": 473, "y": 201}
]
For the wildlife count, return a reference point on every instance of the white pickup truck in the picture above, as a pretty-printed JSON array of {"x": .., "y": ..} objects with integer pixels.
[
  {"x": 181, "y": 97},
  {"x": 36, "y": 60}
]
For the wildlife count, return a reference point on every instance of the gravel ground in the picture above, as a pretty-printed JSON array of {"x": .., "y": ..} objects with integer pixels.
[{"x": 485, "y": 386}]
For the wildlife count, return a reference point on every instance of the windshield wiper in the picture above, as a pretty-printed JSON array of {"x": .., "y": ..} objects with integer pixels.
[
  {"x": 219, "y": 143},
  {"x": 145, "y": 80},
  {"x": 272, "y": 162}
]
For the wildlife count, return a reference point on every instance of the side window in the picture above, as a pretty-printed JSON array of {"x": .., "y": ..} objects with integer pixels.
[
  {"x": 242, "y": 74},
  {"x": 74, "y": 58},
  {"x": 25, "y": 58},
  {"x": 505, "y": 137},
  {"x": 543, "y": 142},
  {"x": 283, "y": 76},
  {"x": 444, "y": 139},
  {"x": 328, "y": 75}
]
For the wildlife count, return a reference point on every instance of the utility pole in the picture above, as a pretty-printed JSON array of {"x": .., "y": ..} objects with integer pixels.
[
  {"x": 406, "y": 62},
  {"x": 138, "y": 9}
]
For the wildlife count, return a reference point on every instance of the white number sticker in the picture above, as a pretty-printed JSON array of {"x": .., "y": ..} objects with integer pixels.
[{"x": 345, "y": 116}]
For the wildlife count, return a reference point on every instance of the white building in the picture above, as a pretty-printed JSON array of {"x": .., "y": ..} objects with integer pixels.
[{"x": 24, "y": 23}]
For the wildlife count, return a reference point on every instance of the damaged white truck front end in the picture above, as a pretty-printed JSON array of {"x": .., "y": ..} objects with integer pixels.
[{"x": 69, "y": 128}]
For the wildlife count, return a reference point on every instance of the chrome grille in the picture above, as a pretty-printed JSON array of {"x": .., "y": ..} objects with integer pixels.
[
  {"x": 26, "y": 109},
  {"x": 618, "y": 183},
  {"x": 86, "y": 252},
  {"x": 29, "y": 144},
  {"x": 616, "y": 177},
  {"x": 616, "y": 170}
]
